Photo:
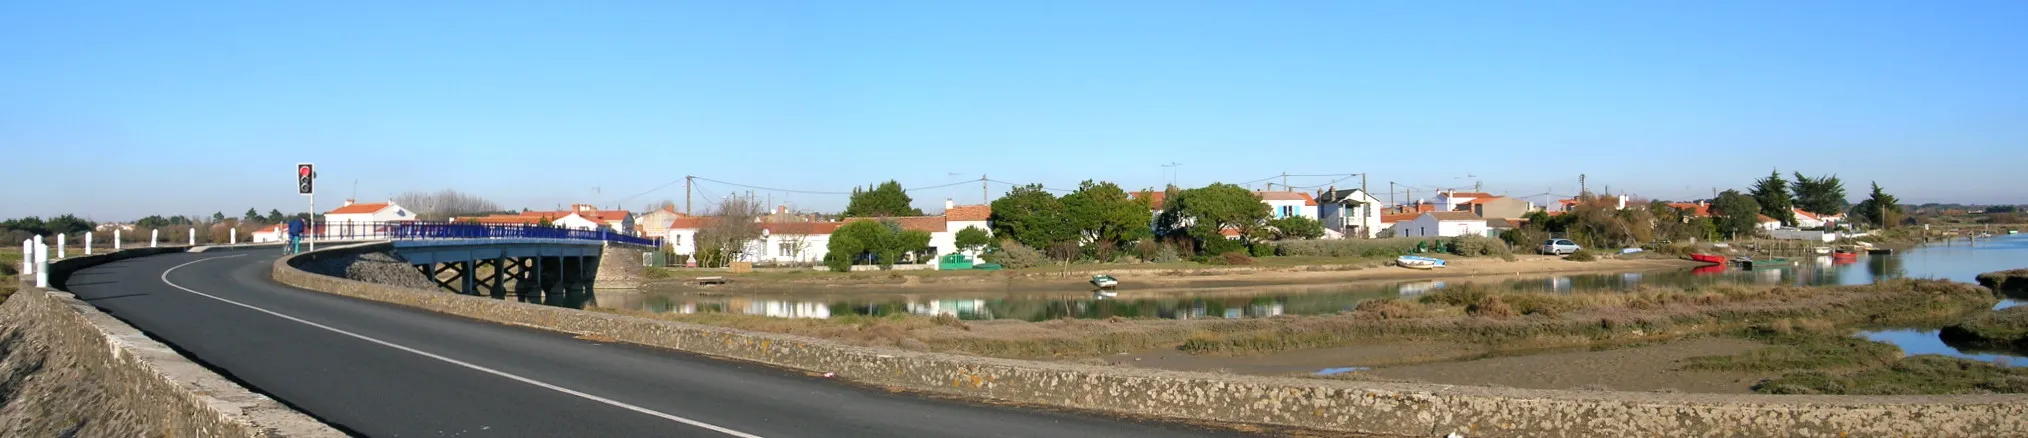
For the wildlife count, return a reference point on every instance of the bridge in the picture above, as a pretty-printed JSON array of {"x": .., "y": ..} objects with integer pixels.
[{"x": 530, "y": 263}]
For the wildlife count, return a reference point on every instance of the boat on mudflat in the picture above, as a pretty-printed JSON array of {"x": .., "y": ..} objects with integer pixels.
[
  {"x": 1418, "y": 262},
  {"x": 1708, "y": 258}
]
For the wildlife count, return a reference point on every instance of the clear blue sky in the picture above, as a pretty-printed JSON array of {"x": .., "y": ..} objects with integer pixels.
[{"x": 116, "y": 110}]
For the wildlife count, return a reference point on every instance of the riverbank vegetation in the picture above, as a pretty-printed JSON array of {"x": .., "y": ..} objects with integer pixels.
[{"x": 2002, "y": 329}]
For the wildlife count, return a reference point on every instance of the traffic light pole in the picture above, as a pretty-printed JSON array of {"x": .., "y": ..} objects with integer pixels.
[{"x": 310, "y": 231}]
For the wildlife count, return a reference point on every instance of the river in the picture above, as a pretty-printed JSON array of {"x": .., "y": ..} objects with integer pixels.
[{"x": 1958, "y": 261}]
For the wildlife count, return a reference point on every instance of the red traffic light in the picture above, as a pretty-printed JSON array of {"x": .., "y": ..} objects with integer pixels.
[{"x": 303, "y": 170}]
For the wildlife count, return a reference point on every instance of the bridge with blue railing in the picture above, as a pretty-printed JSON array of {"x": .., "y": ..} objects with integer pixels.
[
  {"x": 530, "y": 263},
  {"x": 429, "y": 230}
]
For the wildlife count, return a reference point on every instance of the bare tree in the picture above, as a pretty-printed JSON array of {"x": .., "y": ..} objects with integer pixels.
[
  {"x": 444, "y": 204},
  {"x": 733, "y": 227}
]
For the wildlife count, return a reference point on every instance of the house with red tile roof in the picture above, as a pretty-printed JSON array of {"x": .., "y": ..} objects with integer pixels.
[
  {"x": 805, "y": 242},
  {"x": 1452, "y": 200},
  {"x": 374, "y": 212},
  {"x": 273, "y": 233},
  {"x": 1443, "y": 224},
  {"x": 1286, "y": 204}
]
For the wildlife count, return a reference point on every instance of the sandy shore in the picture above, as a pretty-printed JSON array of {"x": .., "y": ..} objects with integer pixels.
[{"x": 1143, "y": 281}]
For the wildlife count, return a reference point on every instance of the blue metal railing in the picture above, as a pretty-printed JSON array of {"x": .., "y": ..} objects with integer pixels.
[{"x": 421, "y": 230}]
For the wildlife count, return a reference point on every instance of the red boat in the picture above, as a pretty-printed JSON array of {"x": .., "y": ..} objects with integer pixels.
[
  {"x": 1708, "y": 269},
  {"x": 1709, "y": 258},
  {"x": 1844, "y": 255}
]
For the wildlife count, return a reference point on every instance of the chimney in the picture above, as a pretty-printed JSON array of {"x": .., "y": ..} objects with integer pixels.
[
  {"x": 949, "y": 204},
  {"x": 348, "y": 202}
]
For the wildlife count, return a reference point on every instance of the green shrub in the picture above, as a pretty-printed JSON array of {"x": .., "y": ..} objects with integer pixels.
[
  {"x": 1013, "y": 255},
  {"x": 1222, "y": 246},
  {"x": 1479, "y": 246},
  {"x": 1166, "y": 254},
  {"x": 1582, "y": 255},
  {"x": 1261, "y": 250},
  {"x": 1524, "y": 237}
]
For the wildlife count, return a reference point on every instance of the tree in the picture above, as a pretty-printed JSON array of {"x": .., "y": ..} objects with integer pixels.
[
  {"x": 1209, "y": 210},
  {"x": 444, "y": 204},
  {"x": 1772, "y": 193},
  {"x": 1820, "y": 195},
  {"x": 217, "y": 217},
  {"x": 1104, "y": 215},
  {"x": 1292, "y": 227},
  {"x": 1879, "y": 209},
  {"x": 884, "y": 242},
  {"x": 1737, "y": 213},
  {"x": 275, "y": 216},
  {"x": 885, "y": 200},
  {"x": 67, "y": 224},
  {"x": 1031, "y": 216},
  {"x": 732, "y": 229},
  {"x": 973, "y": 239},
  {"x": 251, "y": 216}
]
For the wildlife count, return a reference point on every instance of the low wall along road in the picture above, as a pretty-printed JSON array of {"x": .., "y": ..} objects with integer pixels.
[
  {"x": 1363, "y": 407},
  {"x": 67, "y": 369}
]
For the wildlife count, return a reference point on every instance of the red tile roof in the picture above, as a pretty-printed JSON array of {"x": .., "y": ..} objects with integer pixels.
[
  {"x": 801, "y": 227},
  {"x": 359, "y": 208},
  {"x": 1155, "y": 198},
  {"x": 1288, "y": 196},
  {"x": 505, "y": 219},
  {"x": 1477, "y": 201},
  {"x": 1693, "y": 209},
  {"x": 969, "y": 213},
  {"x": 933, "y": 224},
  {"x": 1455, "y": 216},
  {"x": 1800, "y": 214},
  {"x": 1765, "y": 219},
  {"x": 1392, "y": 218}
]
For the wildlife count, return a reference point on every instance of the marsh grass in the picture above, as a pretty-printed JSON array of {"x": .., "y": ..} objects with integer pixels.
[{"x": 1924, "y": 374}]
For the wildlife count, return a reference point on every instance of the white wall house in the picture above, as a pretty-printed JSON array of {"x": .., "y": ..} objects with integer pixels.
[
  {"x": 1456, "y": 200},
  {"x": 1769, "y": 223},
  {"x": 809, "y": 242},
  {"x": 1286, "y": 204},
  {"x": 273, "y": 233},
  {"x": 377, "y": 212},
  {"x": 1351, "y": 212},
  {"x": 1442, "y": 224}
]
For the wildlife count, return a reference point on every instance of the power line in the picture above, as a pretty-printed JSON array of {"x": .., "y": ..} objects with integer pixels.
[{"x": 807, "y": 192}]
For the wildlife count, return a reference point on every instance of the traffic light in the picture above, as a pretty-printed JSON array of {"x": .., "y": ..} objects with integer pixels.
[{"x": 305, "y": 175}]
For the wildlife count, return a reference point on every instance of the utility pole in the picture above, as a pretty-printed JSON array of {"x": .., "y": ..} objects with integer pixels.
[
  {"x": 1285, "y": 181},
  {"x": 1582, "y": 189},
  {"x": 984, "y": 199},
  {"x": 1390, "y": 194},
  {"x": 686, "y": 194}
]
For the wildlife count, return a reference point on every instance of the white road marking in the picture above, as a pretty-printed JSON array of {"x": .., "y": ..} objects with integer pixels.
[{"x": 537, "y": 383}]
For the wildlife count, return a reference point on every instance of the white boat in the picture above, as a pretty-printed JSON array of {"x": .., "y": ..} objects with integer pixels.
[
  {"x": 1823, "y": 250},
  {"x": 1104, "y": 294},
  {"x": 1418, "y": 262},
  {"x": 1104, "y": 281}
]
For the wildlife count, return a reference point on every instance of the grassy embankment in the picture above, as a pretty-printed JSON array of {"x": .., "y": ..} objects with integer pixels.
[
  {"x": 1466, "y": 313},
  {"x": 10, "y": 263}
]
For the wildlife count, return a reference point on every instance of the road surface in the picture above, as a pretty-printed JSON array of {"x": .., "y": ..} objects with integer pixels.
[{"x": 381, "y": 370}]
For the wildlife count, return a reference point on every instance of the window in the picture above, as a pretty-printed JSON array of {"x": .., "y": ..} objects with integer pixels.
[
  {"x": 675, "y": 240},
  {"x": 788, "y": 249},
  {"x": 1287, "y": 211}
]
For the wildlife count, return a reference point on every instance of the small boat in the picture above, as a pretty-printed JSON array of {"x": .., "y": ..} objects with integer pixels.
[
  {"x": 1104, "y": 281},
  {"x": 1104, "y": 294},
  {"x": 1879, "y": 251},
  {"x": 1418, "y": 262},
  {"x": 1844, "y": 254},
  {"x": 2013, "y": 231},
  {"x": 1750, "y": 264},
  {"x": 1709, "y": 258},
  {"x": 1821, "y": 250}
]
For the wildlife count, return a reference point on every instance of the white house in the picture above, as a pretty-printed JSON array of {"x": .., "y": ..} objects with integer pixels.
[
  {"x": 355, "y": 220},
  {"x": 273, "y": 233},
  {"x": 1443, "y": 224},
  {"x": 1452, "y": 200},
  {"x": 1806, "y": 219},
  {"x": 377, "y": 212},
  {"x": 1616, "y": 202},
  {"x": 809, "y": 242},
  {"x": 1768, "y": 223},
  {"x": 1286, "y": 204},
  {"x": 1351, "y": 212}
]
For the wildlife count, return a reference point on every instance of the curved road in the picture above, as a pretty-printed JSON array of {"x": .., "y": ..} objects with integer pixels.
[{"x": 381, "y": 370}]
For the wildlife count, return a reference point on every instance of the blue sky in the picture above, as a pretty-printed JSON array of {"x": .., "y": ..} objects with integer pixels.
[{"x": 117, "y": 110}]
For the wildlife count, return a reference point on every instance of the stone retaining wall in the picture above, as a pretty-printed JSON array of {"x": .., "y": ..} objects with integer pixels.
[
  {"x": 68, "y": 369},
  {"x": 1364, "y": 407}
]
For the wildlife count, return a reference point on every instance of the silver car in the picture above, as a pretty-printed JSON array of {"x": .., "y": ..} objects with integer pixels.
[{"x": 1559, "y": 247}]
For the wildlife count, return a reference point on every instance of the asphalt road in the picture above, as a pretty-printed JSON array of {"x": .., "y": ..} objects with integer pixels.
[{"x": 381, "y": 370}]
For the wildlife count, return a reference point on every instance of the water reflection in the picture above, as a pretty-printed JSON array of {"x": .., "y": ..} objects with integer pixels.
[
  {"x": 1914, "y": 342},
  {"x": 1958, "y": 263}
]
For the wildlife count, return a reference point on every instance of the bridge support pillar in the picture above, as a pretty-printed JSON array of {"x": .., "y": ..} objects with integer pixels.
[
  {"x": 560, "y": 294},
  {"x": 466, "y": 277},
  {"x": 499, "y": 278}
]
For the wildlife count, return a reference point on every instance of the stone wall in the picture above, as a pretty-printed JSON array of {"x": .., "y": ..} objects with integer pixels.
[
  {"x": 1364, "y": 407},
  {"x": 620, "y": 267},
  {"x": 67, "y": 369}
]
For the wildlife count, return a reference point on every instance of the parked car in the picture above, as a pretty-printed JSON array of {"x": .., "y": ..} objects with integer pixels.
[{"x": 1558, "y": 247}]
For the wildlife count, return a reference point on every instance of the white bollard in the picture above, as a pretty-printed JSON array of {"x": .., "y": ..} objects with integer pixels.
[
  {"x": 154, "y": 236},
  {"x": 88, "y": 243},
  {"x": 27, "y": 256},
  {"x": 60, "y": 240},
  {"x": 235, "y": 235},
  {"x": 116, "y": 239},
  {"x": 193, "y": 237},
  {"x": 42, "y": 266}
]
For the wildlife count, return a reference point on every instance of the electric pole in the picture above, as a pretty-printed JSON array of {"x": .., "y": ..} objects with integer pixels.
[
  {"x": 1582, "y": 189},
  {"x": 984, "y": 199},
  {"x": 1390, "y": 194},
  {"x": 686, "y": 194}
]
